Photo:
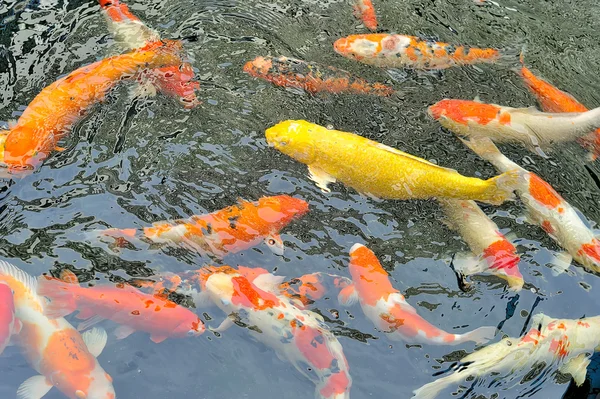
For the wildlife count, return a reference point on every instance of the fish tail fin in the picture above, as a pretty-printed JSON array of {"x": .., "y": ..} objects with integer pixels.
[
  {"x": 61, "y": 296},
  {"x": 433, "y": 389},
  {"x": 502, "y": 186},
  {"x": 480, "y": 335}
]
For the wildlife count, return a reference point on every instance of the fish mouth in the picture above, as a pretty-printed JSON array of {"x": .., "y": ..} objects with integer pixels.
[{"x": 341, "y": 46}]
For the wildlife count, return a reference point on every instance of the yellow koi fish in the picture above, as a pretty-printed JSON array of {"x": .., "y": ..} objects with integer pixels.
[{"x": 378, "y": 170}]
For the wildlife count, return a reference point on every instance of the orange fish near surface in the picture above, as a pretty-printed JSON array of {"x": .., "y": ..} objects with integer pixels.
[
  {"x": 229, "y": 230},
  {"x": 123, "y": 304},
  {"x": 311, "y": 77},
  {"x": 53, "y": 112},
  {"x": 63, "y": 358},
  {"x": 554, "y": 100},
  {"x": 386, "y": 307},
  {"x": 9, "y": 325},
  {"x": 364, "y": 10},
  {"x": 175, "y": 81},
  {"x": 402, "y": 51}
]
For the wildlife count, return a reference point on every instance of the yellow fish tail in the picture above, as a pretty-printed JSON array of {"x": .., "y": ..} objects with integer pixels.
[{"x": 502, "y": 187}]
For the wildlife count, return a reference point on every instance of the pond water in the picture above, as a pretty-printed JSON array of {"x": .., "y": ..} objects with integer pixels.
[{"x": 134, "y": 162}]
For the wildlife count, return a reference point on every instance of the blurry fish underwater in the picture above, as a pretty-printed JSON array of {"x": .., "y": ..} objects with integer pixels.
[{"x": 365, "y": 11}]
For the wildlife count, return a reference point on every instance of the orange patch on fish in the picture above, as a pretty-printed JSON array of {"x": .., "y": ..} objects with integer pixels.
[
  {"x": 371, "y": 280},
  {"x": 311, "y": 344},
  {"x": 464, "y": 111},
  {"x": 543, "y": 193},
  {"x": 336, "y": 384},
  {"x": 248, "y": 295},
  {"x": 592, "y": 250}
]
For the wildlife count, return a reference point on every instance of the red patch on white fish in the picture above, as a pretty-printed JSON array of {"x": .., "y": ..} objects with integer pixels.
[{"x": 543, "y": 193}]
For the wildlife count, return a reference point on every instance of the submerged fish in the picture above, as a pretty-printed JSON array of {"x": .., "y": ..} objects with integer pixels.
[
  {"x": 311, "y": 77},
  {"x": 365, "y": 11},
  {"x": 53, "y": 112},
  {"x": 311, "y": 287},
  {"x": 229, "y": 230},
  {"x": 534, "y": 129},
  {"x": 386, "y": 307},
  {"x": 547, "y": 209},
  {"x": 492, "y": 252},
  {"x": 299, "y": 336},
  {"x": 375, "y": 169},
  {"x": 562, "y": 343},
  {"x": 64, "y": 358},
  {"x": 554, "y": 100},
  {"x": 175, "y": 81},
  {"x": 401, "y": 51},
  {"x": 9, "y": 325},
  {"x": 123, "y": 304}
]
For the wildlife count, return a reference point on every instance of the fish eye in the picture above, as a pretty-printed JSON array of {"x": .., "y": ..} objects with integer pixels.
[
  {"x": 283, "y": 143},
  {"x": 271, "y": 241}
]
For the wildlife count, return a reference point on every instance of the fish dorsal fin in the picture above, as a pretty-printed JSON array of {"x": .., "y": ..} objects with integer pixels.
[
  {"x": 404, "y": 154},
  {"x": 95, "y": 340},
  {"x": 30, "y": 283}
]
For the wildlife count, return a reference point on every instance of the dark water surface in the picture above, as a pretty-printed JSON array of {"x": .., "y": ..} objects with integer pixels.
[{"x": 131, "y": 163}]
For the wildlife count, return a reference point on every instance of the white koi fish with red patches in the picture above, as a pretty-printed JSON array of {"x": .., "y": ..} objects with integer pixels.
[
  {"x": 562, "y": 343},
  {"x": 299, "y": 336},
  {"x": 494, "y": 253},
  {"x": 64, "y": 358},
  {"x": 386, "y": 307},
  {"x": 9, "y": 325},
  {"x": 534, "y": 129},
  {"x": 547, "y": 209}
]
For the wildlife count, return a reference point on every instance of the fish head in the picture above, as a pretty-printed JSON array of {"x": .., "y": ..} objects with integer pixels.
[
  {"x": 369, "y": 277},
  {"x": 335, "y": 386},
  {"x": 465, "y": 111},
  {"x": 360, "y": 47},
  {"x": 217, "y": 280},
  {"x": 589, "y": 255},
  {"x": 293, "y": 138},
  {"x": 503, "y": 261},
  {"x": 96, "y": 384},
  {"x": 259, "y": 67},
  {"x": 191, "y": 327},
  {"x": 275, "y": 213}
]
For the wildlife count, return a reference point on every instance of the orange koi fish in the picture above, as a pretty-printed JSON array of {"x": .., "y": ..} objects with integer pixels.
[
  {"x": 364, "y": 10},
  {"x": 388, "y": 310},
  {"x": 229, "y": 230},
  {"x": 62, "y": 357},
  {"x": 297, "y": 335},
  {"x": 311, "y": 77},
  {"x": 494, "y": 253},
  {"x": 123, "y": 304},
  {"x": 547, "y": 209},
  {"x": 53, "y": 112},
  {"x": 562, "y": 343},
  {"x": 534, "y": 129},
  {"x": 9, "y": 325},
  {"x": 175, "y": 81},
  {"x": 554, "y": 100},
  {"x": 401, "y": 51}
]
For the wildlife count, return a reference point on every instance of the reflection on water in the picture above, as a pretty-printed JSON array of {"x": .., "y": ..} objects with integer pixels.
[{"x": 136, "y": 161}]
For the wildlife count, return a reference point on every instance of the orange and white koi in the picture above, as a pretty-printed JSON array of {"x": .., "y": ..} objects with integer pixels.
[
  {"x": 402, "y": 51},
  {"x": 365, "y": 11},
  {"x": 562, "y": 343},
  {"x": 229, "y": 230},
  {"x": 123, "y": 304},
  {"x": 386, "y": 307},
  {"x": 554, "y": 100},
  {"x": 53, "y": 112},
  {"x": 311, "y": 77},
  {"x": 299, "y": 336},
  {"x": 547, "y": 209},
  {"x": 175, "y": 81},
  {"x": 9, "y": 325},
  {"x": 534, "y": 129},
  {"x": 494, "y": 253},
  {"x": 64, "y": 358}
]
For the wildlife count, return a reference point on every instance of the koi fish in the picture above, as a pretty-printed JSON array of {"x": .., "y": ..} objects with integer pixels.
[
  {"x": 53, "y": 112},
  {"x": 63, "y": 358},
  {"x": 299, "y": 336},
  {"x": 534, "y": 129},
  {"x": 123, "y": 304},
  {"x": 175, "y": 81},
  {"x": 386, "y": 307},
  {"x": 311, "y": 287},
  {"x": 567, "y": 343},
  {"x": 377, "y": 170},
  {"x": 229, "y": 230},
  {"x": 547, "y": 209},
  {"x": 365, "y": 11},
  {"x": 494, "y": 253},
  {"x": 401, "y": 51},
  {"x": 9, "y": 325},
  {"x": 311, "y": 77},
  {"x": 554, "y": 100}
]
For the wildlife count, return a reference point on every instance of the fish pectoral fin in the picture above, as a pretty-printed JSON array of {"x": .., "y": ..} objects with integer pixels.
[
  {"x": 157, "y": 338},
  {"x": 225, "y": 324},
  {"x": 468, "y": 264},
  {"x": 90, "y": 321},
  {"x": 34, "y": 388},
  {"x": 123, "y": 331},
  {"x": 321, "y": 178},
  {"x": 95, "y": 340},
  {"x": 577, "y": 367},
  {"x": 560, "y": 263}
]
